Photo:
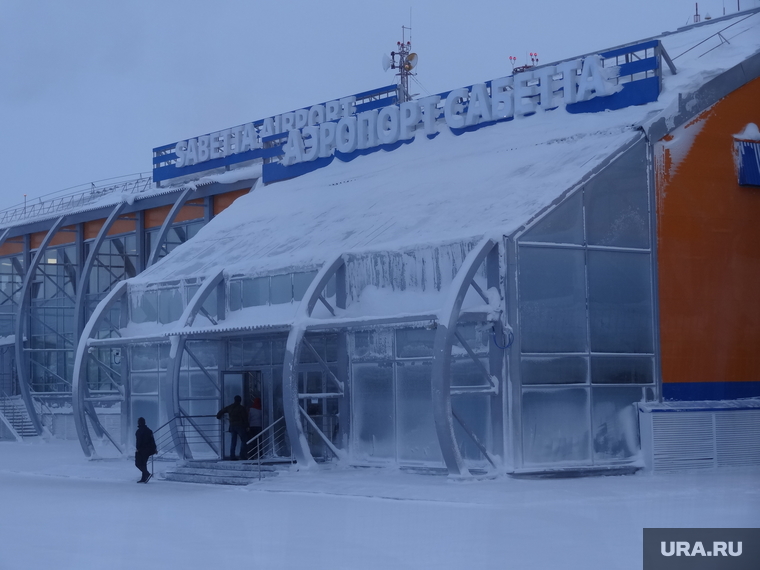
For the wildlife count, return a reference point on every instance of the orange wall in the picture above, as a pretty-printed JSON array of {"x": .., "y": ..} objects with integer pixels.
[
  {"x": 224, "y": 201},
  {"x": 156, "y": 216},
  {"x": 709, "y": 249}
]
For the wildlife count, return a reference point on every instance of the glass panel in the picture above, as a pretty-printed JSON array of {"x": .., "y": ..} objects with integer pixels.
[
  {"x": 331, "y": 348},
  {"x": 255, "y": 291},
  {"x": 374, "y": 416},
  {"x": 554, "y": 370},
  {"x": 144, "y": 357},
  {"x": 235, "y": 296},
  {"x": 205, "y": 351},
  {"x": 475, "y": 412},
  {"x": 278, "y": 351},
  {"x": 144, "y": 307},
  {"x": 620, "y": 302},
  {"x": 145, "y": 407},
  {"x": 467, "y": 373},
  {"x": 417, "y": 438},
  {"x": 552, "y": 300},
  {"x": 301, "y": 282},
  {"x": 144, "y": 383},
  {"x": 235, "y": 353},
  {"x": 555, "y": 426},
  {"x": 615, "y": 423},
  {"x": 622, "y": 370},
  {"x": 375, "y": 344},
  {"x": 169, "y": 305},
  {"x": 201, "y": 386},
  {"x": 281, "y": 289},
  {"x": 412, "y": 343},
  {"x": 617, "y": 212},
  {"x": 318, "y": 342},
  {"x": 163, "y": 356},
  {"x": 564, "y": 224},
  {"x": 256, "y": 352},
  {"x": 476, "y": 337}
]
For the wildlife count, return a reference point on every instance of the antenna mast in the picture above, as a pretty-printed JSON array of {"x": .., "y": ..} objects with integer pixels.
[{"x": 406, "y": 62}]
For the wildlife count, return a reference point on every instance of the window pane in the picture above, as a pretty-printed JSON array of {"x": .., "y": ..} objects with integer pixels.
[
  {"x": 169, "y": 305},
  {"x": 622, "y": 370},
  {"x": 374, "y": 416},
  {"x": 554, "y": 370},
  {"x": 616, "y": 434},
  {"x": 564, "y": 224},
  {"x": 235, "y": 295},
  {"x": 256, "y": 352},
  {"x": 282, "y": 291},
  {"x": 552, "y": 300},
  {"x": 301, "y": 282},
  {"x": 144, "y": 383},
  {"x": 412, "y": 343},
  {"x": 417, "y": 438},
  {"x": 555, "y": 426},
  {"x": 255, "y": 291},
  {"x": 144, "y": 306},
  {"x": 144, "y": 357},
  {"x": 620, "y": 302},
  {"x": 375, "y": 344},
  {"x": 617, "y": 212}
]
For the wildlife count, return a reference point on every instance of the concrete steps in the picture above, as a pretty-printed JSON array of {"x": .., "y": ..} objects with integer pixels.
[{"x": 220, "y": 472}]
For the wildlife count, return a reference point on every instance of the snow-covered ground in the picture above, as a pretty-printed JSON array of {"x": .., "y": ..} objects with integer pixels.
[{"x": 60, "y": 511}]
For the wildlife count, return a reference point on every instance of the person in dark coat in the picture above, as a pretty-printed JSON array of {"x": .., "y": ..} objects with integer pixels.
[
  {"x": 145, "y": 446},
  {"x": 238, "y": 416}
]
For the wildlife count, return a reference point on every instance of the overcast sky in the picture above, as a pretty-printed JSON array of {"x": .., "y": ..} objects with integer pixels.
[{"x": 88, "y": 88}]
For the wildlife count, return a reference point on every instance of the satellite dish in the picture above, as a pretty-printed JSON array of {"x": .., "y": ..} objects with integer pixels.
[
  {"x": 386, "y": 62},
  {"x": 411, "y": 61}
]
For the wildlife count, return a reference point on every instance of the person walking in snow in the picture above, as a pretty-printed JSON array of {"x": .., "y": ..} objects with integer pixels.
[
  {"x": 145, "y": 446},
  {"x": 238, "y": 416}
]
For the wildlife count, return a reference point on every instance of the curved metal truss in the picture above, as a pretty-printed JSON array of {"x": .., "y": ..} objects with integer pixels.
[
  {"x": 22, "y": 361},
  {"x": 167, "y": 225},
  {"x": 292, "y": 409},
  {"x": 446, "y": 333},
  {"x": 81, "y": 398},
  {"x": 169, "y": 388}
]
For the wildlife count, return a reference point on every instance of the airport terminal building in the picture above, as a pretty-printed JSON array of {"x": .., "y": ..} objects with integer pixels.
[{"x": 554, "y": 269}]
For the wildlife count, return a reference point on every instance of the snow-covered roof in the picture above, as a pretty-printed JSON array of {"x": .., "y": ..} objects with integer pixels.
[{"x": 486, "y": 182}]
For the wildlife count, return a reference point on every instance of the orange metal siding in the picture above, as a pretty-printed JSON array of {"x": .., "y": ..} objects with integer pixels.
[
  {"x": 224, "y": 201},
  {"x": 11, "y": 248},
  {"x": 709, "y": 250}
]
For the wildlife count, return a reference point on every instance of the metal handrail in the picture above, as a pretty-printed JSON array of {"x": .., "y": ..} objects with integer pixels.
[
  {"x": 72, "y": 200},
  {"x": 259, "y": 449},
  {"x": 163, "y": 434}
]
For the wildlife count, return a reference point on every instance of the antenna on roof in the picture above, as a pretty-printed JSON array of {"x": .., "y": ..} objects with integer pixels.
[
  {"x": 406, "y": 62},
  {"x": 696, "y": 14}
]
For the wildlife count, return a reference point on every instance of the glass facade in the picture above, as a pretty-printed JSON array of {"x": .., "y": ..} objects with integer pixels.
[
  {"x": 586, "y": 314},
  {"x": 392, "y": 407}
]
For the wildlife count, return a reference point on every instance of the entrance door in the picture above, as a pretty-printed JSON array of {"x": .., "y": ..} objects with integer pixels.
[{"x": 264, "y": 384}]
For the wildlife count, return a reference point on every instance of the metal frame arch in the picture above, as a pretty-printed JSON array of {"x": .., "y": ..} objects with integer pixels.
[
  {"x": 441, "y": 366},
  {"x": 166, "y": 226},
  {"x": 291, "y": 407},
  {"x": 79, "y": 383},
  {"x": 84, "y": 279},
  {"x": 23, "y": 308},
  {"x": 169, "y": 388}
]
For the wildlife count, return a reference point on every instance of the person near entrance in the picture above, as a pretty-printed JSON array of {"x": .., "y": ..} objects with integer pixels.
[
  {"x": 255, "y": 423},
  {"x": 145, "y": 446},
  {"x": 238, "y": 416}
]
